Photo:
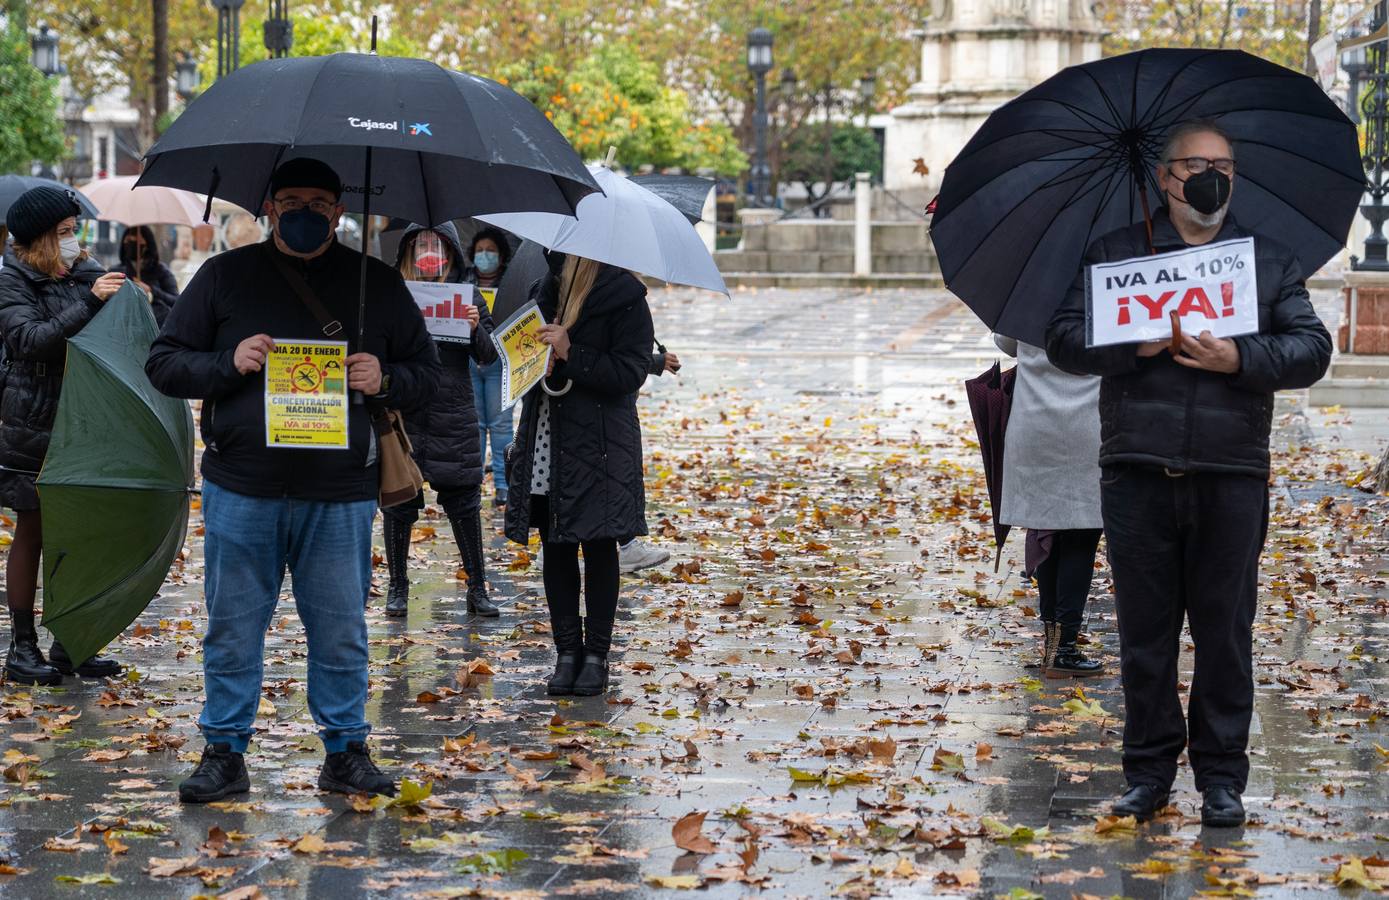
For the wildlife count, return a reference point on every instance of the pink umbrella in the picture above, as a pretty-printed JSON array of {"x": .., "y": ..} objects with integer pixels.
[{"x": 118, "y": 200}]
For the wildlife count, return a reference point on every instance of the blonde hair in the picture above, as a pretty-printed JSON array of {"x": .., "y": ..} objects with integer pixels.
[
  {"x": 575, "y": 283},
  {"x": 45, "y": 254}
]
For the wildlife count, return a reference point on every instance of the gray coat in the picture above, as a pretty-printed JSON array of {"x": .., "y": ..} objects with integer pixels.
[{"x": 1051, "y": 453}]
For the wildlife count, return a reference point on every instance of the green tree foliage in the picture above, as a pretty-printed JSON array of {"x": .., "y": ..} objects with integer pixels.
[
  {"x": 1277, "y": 31},
  {"x": 317, "y": 35},
  {"x": 851, "y": 149},
  {"x": 33, "y": 131}
]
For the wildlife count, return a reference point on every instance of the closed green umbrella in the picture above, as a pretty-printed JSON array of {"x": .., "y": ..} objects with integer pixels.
[{"x": 114, "y": 486}]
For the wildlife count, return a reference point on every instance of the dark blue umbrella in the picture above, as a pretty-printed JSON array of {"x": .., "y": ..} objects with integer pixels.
[
  {"x": 1074, "y": 158},
  {"x": 11, "y": 186}
]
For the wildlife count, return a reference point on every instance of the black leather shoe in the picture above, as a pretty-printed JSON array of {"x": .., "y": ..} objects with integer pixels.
[
  {"x": 479, "y": 604},
  {"x": 1142, "y": 801},
  {"x": 593, "y": 677},
  {"x": 24, "y": 664},
  {"x": 1221, "y": 807},
  {"x": 353, "y": 772},
  {"x": 561, "y": 683},
  {"x": 219, "y": 774},
  {"x": 499, "y": 500},
  {"x": 1066, "y": 659},
  {"x": 96, "y": 667}
]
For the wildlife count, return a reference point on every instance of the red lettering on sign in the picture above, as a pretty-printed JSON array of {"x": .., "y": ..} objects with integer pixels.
[
  {"x": 1124, "y": 310},
  {"x": 1154, "y": 307},
  {"x": 1196, "y": 301},
  {"x": 1227, "y": 298}
]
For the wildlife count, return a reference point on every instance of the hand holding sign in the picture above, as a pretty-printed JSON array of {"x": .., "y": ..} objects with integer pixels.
[{"x": 1212, "y": 354}]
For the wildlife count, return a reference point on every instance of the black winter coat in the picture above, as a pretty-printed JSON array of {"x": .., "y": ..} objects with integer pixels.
[
  {"x": 37, "y": 316},
  {"x": 241, "y": 293},
  {"x": 444, "y": 430},
  {"x": 162, "y": 284},
  {"x": 1155, "y": 412},
  {"x": 596, "y": 489}
]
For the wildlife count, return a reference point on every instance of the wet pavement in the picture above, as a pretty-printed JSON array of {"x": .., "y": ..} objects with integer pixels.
[{"x": 828, "y": 669}]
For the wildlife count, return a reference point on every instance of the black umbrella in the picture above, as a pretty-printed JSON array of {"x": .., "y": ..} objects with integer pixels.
[
  {"x": 990, "y": 398},
  {"x": 11, "y": 186},
  {"x": 527, "y": 266},
  {"x": 686, "y": 193},
  {"x": 1074, "y": 158}
]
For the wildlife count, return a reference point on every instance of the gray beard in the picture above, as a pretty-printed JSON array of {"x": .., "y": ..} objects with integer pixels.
[{"x": 1199, "y": 219}]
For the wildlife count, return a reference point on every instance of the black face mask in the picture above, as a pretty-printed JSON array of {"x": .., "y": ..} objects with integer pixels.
[
  {"x": 304, "y": 230},
  {"x": 1206, "y": 193}
]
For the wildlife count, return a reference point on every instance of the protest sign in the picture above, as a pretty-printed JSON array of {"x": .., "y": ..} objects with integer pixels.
[
  {"x": 1211, "y": 288},
  {"x": 306, "y": 394},
  {"x": 524, "y": 358},
  {"x": 445, "y": 309},
  {"x": 489, "y": 296}
]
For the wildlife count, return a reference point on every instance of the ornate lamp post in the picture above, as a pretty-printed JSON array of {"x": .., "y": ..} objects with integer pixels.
[
  {"x": 228, "y": 35},
  {"x": 45, "y": 52},
  {"x": 1376, "y": 122},
  {"x": 867, "y": 87},
  {"x": 279, "y": 30},
  {"x": 760, "y": 63},
  {"x": 1353, "y": 61},
  {"x": 186, "y": 77}
]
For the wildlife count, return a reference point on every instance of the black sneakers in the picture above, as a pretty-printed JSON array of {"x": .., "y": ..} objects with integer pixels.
[
  {"x": 353, "y": 772},
  {"x": 219, "y": 774}
]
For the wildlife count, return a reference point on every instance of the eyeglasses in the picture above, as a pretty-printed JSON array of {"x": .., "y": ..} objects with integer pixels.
[
  {"x": 1195, "y": 165},
  {"x": 294, "y": 204}
]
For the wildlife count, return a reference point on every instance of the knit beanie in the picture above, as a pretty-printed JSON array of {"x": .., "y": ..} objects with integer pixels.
[{"x": 38, "y": 211}]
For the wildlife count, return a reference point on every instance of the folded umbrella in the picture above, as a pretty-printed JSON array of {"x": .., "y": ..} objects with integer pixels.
[
  {"x": 119, "y": 200},
  {"x": 626, "y": 226},
  {"x": 11, "y": 186},
  {"x": 1074, "y": 158},
  {"x": 114, "y": 485},
  {"x": 990, "y": 398}
]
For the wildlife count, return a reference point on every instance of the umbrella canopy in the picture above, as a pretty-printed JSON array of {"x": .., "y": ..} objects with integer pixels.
[
  {"x": 11, "y": 186},
  {"x": 990, "y": 398},
  {"x": 114, "y": 485},
  {"x": 119, "y": 200},
  {"x": 526, "y": 267},
  {"x": 1074, "y": 158},
  {"x": 687, "y": 193},
  {"x": 438, "y": 144},
  {"x": 626, "y": 226}
]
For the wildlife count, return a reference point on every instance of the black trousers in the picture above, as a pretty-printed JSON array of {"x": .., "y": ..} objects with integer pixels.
[
  {"x": 1063, "y": 579},
  {"x": 601, "y": 580},
  {"x": 1185, "y": 547}
]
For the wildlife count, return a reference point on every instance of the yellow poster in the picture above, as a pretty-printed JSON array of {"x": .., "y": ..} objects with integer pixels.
[
  {"x": 489, "y": 295},
  {"x": 524, "y": 358},
  {"x": 306, "y": 394}
]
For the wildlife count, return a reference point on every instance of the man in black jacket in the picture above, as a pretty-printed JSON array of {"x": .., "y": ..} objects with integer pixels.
[
  {"x": 1184, "y": 485},
  {"x": 267, "y": 508}
]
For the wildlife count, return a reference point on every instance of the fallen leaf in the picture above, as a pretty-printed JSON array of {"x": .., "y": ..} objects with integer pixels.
[{"x": 688, "y": 836}]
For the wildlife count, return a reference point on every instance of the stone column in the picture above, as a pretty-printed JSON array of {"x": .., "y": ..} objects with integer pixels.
[{"x": 863, "y": 224}]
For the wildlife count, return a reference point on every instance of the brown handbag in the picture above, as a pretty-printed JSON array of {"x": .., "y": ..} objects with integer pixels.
[{"x": 400, "y": 478}]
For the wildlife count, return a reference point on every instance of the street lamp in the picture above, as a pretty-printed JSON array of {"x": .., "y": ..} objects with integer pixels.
[
  {"x": 186, "y": 77},
  {"x": 760, "y": 63},
  {"x": 45, "y": 52},
  {"x": 279, "y": 30},
  {"x": 867, "y": 86},
  {"x": 1353, "y": 61},
  {"x": 228, "y": 35},
  {"x": 1376, "y": 121}
]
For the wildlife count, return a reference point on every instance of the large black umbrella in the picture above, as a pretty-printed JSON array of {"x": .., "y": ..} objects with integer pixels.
[
  {"x": 527, "y": 265},
  {"x": 687, "y": 193},
  {"x": 11, "y": 186},
  {"x": 1074, "y": 158},
  {"x": 990, "y": 398}
]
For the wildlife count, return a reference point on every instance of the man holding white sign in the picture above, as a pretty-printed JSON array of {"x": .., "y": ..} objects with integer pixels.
[{"x": 1184, "y": 455}]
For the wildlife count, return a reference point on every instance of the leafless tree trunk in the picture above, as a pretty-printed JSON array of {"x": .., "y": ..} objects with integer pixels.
[
  {"x": 1225, "y": 26},
  {"x": 160, "y": 78},
  {"x": 1313, "y": 33}
]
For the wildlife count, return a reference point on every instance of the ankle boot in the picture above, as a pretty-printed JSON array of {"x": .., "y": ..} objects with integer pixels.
[
  {"x": 95, "y": 667},
  {"x": 1067, "y": 660},
  {"x": 467, "y": 531},
  {"x": 569, "y": 647},
  {"x": 25, "y": 664},
  {"x": 1050, "y": 635},
  {"x": 593, "y": 677},
  {"x": 397, "y": 534}
]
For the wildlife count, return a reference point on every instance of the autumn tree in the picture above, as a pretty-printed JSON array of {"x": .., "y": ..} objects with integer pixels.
[
  {"x": 1273, "y": 29},
  {"x": 33, "y": 130}
]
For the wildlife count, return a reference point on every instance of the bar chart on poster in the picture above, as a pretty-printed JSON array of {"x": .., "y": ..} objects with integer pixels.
[{"x": 445, "y": 309}]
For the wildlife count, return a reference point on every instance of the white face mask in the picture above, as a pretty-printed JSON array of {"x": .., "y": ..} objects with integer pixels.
[{"x": 69, "y": 248}]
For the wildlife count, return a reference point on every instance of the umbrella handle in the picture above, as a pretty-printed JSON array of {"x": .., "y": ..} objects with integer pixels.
[
  {"x": 1176, "y": 346},
  {"x": 568, "y": 386}
]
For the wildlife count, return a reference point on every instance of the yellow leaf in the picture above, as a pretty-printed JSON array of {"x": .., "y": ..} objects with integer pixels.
[{"x": 675, "y": 882}]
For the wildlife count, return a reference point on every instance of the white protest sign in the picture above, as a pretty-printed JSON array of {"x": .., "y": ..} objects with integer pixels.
[
  {"x": 445, "y": 309},
  {"x": 1211, "y": 288}
]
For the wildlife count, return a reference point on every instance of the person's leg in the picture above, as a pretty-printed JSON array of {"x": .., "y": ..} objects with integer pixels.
[
  {"x": 1045, "y": 575},
  {"x": 396, "y": 523},
  {"x": 479, "y": 379},
  {"x": 330, "y": 564},
  {"x": 1074, "y": 554},
  {"x": 560, "y": 571},
  {"x": 602, "y": 579},
  {"x": 25, "y": 662},
  {"x": 244, "y": 552},
  {"x": 1146, "y": 557},
  {"x": 1229, "y": 524},
  {"x": 463, "y": 506},
  {"x": 500, "y": 427}
]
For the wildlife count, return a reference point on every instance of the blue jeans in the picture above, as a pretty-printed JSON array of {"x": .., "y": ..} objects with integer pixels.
[
  {"x": 492, "y": 419},
  {"x": 326, "y": 547}
]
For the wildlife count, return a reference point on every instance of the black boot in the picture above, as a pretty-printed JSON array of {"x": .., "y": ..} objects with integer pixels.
[
  {"x": 24, "y": 664},
  {"x": 397, "y": 534},
  {"x": 1068, "y": 661},
  {"x": 467, "y": 531},
  {"x": 569, "y": 647},
  {"x": 1050, "y": 637},
  {"x": 219, "y": 773},
  {"x": 353, "y": 772},
  {"x": 95, "y": 667},
  {"x": 593, "y": 677}
]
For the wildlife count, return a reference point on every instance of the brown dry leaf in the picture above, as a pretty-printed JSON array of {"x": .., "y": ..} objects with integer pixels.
[
  {"x": 310, "y": 843},
  {"x": 105, "y": 755},
  {"x": 733, "y": 599},
  {"x": 983, "y": 751},
  {"x": 249, "y": 892},
  {"x": 427, "y": 697},
  {"x": 688, "y": 836},
  {"x": 113, "y": 845},
  {"x": 172, "y": 868},
  {"x": 884, "y": 751}
]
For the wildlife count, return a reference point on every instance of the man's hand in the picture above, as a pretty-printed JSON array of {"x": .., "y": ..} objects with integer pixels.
[
  {"x": 1149, "y": 349},
  {"x": 364, "y": 373},
  {"x": 672, "y": 362},
  {"x": 106, "y": 286},
  {"x": 556, "y": 336},
  {"x": 1209, "y": 353},
  {"x": 251, "y": 353}
]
